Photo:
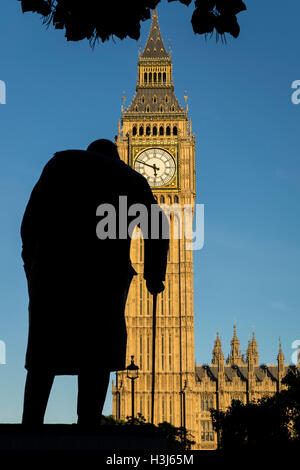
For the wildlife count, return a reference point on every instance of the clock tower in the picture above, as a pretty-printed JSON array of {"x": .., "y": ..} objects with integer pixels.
[{"x": 155, "y": 138}]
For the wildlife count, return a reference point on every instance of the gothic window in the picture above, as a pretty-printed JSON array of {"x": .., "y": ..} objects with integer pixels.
[
  {"x": 136, "y": 108},
  {"x": 162, "y": 352},
  {"x": 134, "y": 130},
  {"x": 170, "y": 349},
  {"x": 141, "y": 404},
  {"x": 154, "y": 99},
  {"x": 148, "y": 130},
  {"x": 162, "y": 199},
  {"x": 145, "y": 77},
  {"x": 148, "y": 407},
  {"x": 168, "y": 130},
  {"x": 164, "y": 77},
  {"x": 150, "y": 77},
  {"x": 173, "y": 107},
  {"x": 141, "y": 130},
  {"x": 170, "y": 200},
  {"x": 175, "y": 132},
  {"x": 154, "y": 130},
  {"x": 148, "y": 352},
  {"x": 141, "y": 248},
  {"x": 159, "y": 77},
  {"x": 141, "y": 352},
  {"x": 161, "y": 130},
  {"x": 207, "y": 433},
  {"x": 161, "y": 109},
  {"x": 206, "y": 404},
  {"x": 176, "y": 200},
  {"x": 148, "y": 111},
  {"x": 141, "y": 297},
  {"x": 154, "y": 77},
  {"x": 143, "y": 99},
  {"x": 166, "y": 99},
  {"x": 148, "y": 302}
]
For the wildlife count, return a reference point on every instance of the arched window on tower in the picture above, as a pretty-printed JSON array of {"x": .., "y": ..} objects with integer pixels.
[
  {"x": 141, "y": 404},
  {"x": 175, "y": 131},
  {"x": 141, "y": 297},
  {"x": 147, "y": 108},
  {"x": 148, "y": 302},
  {"x": 148, "y": 130},
  {"x": 154, "y": 77},
  {"x": 154, "y": 99},
  {"x": 162, "y": 199},
  {"x": 161, "y": 130},
  {"x": 161, "y": 108},
  {"x": 141, "y": 247},
  {"x": 154, "y": 130},
  {"x": 176, "y": 199},
  {"x": 148, "y": 352},
  {"x": 134, "y": 130},
  {"x": 143, "y": 99},
  {"x": 141, "y": 352},
  {"x": 150, "y": 77},
  {"x": 167, "y": 99},
  {"x": 168, "y": 130},
  {"x": 145, "y": 78},
  {"x": 162, "y": 352},
  {"x": 164, "y": 77},
  {"x": 159, "y": 77},
  {"x": 170, "y": 351},
  {"x": 141, "y": 130}
]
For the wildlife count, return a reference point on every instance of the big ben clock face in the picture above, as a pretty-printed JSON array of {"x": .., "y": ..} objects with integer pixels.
[{"x": 156, "y": 165}]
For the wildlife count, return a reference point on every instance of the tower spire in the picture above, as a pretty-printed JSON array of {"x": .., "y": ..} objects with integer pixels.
[
  {"x": 155, "y": 89},
  {"x": 155, "y": 48}
]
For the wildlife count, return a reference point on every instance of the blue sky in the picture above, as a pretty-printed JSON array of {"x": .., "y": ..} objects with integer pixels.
[{"x": 63, "y": 95}]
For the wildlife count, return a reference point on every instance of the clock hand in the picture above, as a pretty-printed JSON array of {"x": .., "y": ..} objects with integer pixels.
[{"x": 155, "y": 168}]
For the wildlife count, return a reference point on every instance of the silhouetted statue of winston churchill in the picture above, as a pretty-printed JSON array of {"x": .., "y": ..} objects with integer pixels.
[{"x": 77, "y": 282}]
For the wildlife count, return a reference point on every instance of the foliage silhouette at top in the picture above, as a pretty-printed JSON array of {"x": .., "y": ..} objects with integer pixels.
[{"x": 103, "y": 19}]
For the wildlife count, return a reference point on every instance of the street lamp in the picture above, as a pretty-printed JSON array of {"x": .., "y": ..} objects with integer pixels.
[
  {"x": 118, "y": 398},
  {"x": 132, "y": 374},
  {"x": 184, "y": 411}
]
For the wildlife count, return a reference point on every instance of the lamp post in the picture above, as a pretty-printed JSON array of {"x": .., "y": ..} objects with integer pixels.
[
  {"x": 132, "y": 374},
  {"x": 118, "y": 398},
  {"x": 184, "y": 412}
]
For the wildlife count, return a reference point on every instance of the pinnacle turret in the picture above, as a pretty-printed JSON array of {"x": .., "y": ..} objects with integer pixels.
[
  {"x": 252, "y": 351},
  {"x": 235, "y": 357},
  {"x": 217, "y": 351}
]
